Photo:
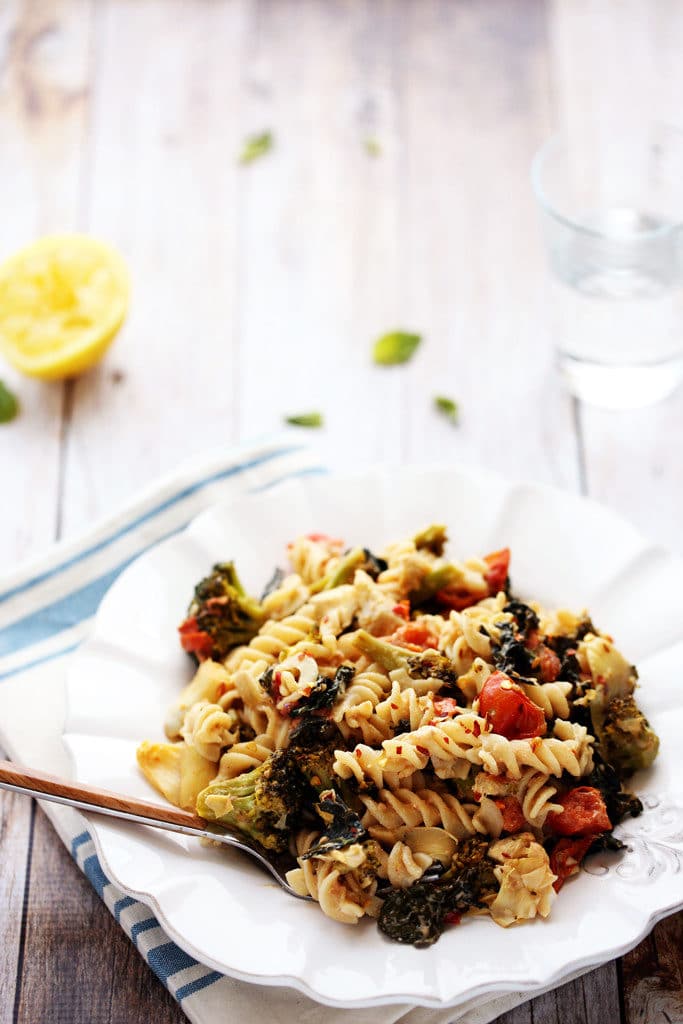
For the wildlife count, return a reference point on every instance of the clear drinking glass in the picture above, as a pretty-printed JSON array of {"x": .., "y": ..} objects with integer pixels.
[{"x": 613, "y": 223}]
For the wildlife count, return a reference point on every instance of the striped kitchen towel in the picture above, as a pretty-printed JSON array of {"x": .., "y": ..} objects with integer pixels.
[{"x": 45, "y": 611}]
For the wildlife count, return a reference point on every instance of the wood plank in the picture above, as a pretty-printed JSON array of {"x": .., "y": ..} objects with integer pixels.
[
  {"x": 652, "y": 976},
  {"x": 609, "y": 71},
  {"x": 321, "y": 231},
  {"x": 471, "y": 252},
  {"x": 79, "y": 965},
  {"x": 164, "y": 187},
  {"x": 15, "y": 816},
  {"x": 43, "y": 100},
  {"x": 43, "y": 104}
]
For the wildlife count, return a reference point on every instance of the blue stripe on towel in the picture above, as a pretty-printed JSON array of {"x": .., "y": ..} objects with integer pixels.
[
  {"x": 169, "y": 959},
  {"x": 143, "y": 926},
  {"x": 38, "y": 661},
  {"x": 78, "y": 841},
  {"x": 93, "y": 870},
  {"x": 197, "y": 985},
  {"x": 121, "y": 905}
]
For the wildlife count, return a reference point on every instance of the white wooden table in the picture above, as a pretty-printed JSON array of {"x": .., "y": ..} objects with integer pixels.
[{"x": 258, "y": 291}]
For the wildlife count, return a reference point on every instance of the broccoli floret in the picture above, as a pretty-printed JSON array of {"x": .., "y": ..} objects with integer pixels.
[
  {"x": 441, "y": 578},
  {"x": 419, "y": 665},
  {"x": 430, "y": 665},
  {"x": 356, "y": 558},
  {"x": 311, "y": 746},
  {"x": 626, "y": 739},
  {"x": 221, "y": 615},
  {"x": 433, "y": 538},
  {"x": 261, "y": 803},
  {"x": 418, "y": 914}
]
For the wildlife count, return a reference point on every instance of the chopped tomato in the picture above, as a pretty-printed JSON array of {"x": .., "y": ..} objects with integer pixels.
[
  {"x": 583, "y": 813},
  {"x": 565, "y": 860},
  {"x": 452, "y": 917},
  {"x": 456, "y": 598},
  {"x": 549, "y": 664},
  {"x": 498, "y": 566},
  {"x": 402, "y": 609},
  {"x": 194, "y": 640},
  {"x": 414, "y": 636},
  {"x": 445, "y": 706},
  {"x": 513, "y": 816},
  {"x": 508, "y": 710}
]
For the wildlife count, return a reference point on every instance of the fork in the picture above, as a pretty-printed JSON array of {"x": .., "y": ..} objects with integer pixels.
[{"x": 18, "y": 779}]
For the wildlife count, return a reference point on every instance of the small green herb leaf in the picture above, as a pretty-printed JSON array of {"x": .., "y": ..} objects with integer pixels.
[
  {"x": 395, "y": 347},
  {"x": 256, "y": 146},
  {"x": 9, "y": 405},
  {"x": 448, "y": 407},
  {"x": 306, "y": 419},
  {"x": 372, "y": 147}
]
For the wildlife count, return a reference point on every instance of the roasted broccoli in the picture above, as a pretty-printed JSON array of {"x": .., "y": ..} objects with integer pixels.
[
  {"x": 433, "y": 538},
  {"x": 418, "y": 914},
  {"x": 626, "y": 739},
  {"x": 221, "y": 615},
  {"x": 311, "y": 747},
  {"x": 356, "y": 558},
  {"x": 443, "y": 577},
  {"x": 419, "y": 665},
  {"x": 261, "y": 803}
]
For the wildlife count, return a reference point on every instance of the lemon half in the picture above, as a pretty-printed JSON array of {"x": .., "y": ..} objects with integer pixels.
[{"x": 62, "y": 300}]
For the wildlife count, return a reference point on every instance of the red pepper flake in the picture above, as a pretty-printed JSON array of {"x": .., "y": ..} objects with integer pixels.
[
  {"x": 453, "y": 917},
  {"x": 402, "y": 609},
  {"x": 359, "y": 753},
  {"x": 446, "y": 739},
  {"x": 399, "y": 749},
  {"x": 423, "y": 750},
  {"x": 394, "y": 707},
  {"x": 600, "y": 680},
  {"x": 476, "y": 729}
]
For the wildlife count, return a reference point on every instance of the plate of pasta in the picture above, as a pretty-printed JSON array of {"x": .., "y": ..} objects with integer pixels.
[{"x": 449, "y": 701}]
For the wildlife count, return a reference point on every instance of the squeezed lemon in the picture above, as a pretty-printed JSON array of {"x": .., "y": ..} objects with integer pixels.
[{"x": 62, "y": 300}]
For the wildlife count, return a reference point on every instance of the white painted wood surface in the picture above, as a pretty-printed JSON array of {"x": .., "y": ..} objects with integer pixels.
[{"x": 258, "y": 290}]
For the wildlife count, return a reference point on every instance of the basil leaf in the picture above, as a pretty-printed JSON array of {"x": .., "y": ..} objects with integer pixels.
[
  {"x": 306, "y": 419},
  {"x": 9, "y": 405},
  {"x": 256, "y": 146},
  {"x": 372, "y": 147},
  {"x": 448, "y": 407},
  {"x": 395, "y": 347}
]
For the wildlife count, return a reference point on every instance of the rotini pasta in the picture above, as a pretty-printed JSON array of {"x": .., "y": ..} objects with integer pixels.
[{"x": 422, "y": 743}]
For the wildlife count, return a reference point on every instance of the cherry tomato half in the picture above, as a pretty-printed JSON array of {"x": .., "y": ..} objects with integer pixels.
[
  {"x": 583, "y": 813},
  {"x": 194, "y": 640},
  {"x": 498, "y": 567},
  {"x": 565, "y": 859},
  {"x": 508, "y": 710},
  {"x": 513, "y": 816},
  {"x": 445, "y": 706},
  {"x": 414, "y": 636}
]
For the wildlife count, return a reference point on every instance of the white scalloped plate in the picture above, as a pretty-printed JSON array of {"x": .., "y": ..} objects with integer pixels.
[{"x": 220, "y": 907}]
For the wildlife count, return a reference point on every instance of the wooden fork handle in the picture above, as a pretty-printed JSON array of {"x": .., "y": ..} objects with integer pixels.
[{"x": 51, "y": 785}]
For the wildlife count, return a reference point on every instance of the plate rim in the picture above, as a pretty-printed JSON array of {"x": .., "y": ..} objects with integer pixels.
[{"x": 493, "y": 987}]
